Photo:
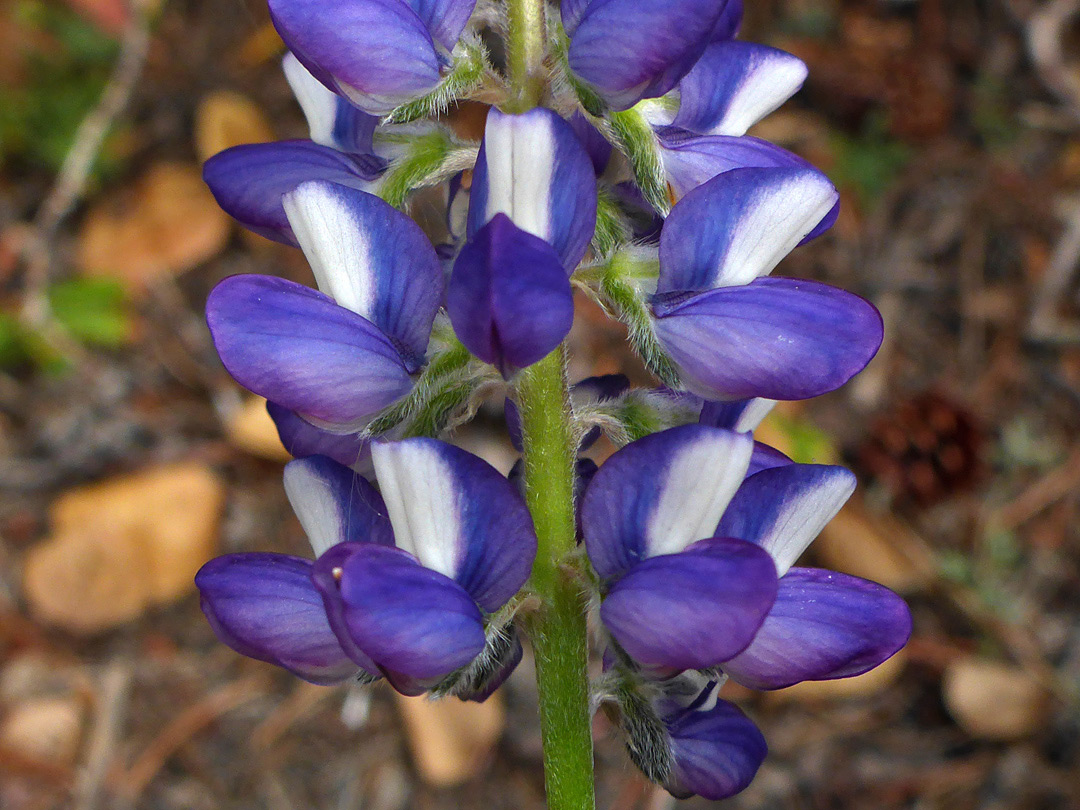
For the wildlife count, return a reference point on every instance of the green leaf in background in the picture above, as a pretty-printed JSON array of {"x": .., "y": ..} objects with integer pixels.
[
  {"x": 39, "y": 117},
  {"x": 94, "y": 311},
  {"x": 868, "y": 163}
]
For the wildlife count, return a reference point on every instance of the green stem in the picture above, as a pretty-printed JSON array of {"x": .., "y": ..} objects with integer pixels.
[
  {"x": 525, "y": 49},
  {"x": 557, "y": 628}
]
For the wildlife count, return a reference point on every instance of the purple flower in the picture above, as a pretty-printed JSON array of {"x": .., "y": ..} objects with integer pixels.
[
  {"x": 265, "y": 606},
  {"x": 532, "y": 212},
  {"x": 678, "y": 596},
  {"x": 377, "y": 53},
  {"x": 407, "y": 584},
  {"x": 683, "y": 736},
  {"x": 463, "y": 547},
  {"x": 733, "y": 334},
  {"x": 823, "y": 624},
  {"x": 338, "y": 356}
]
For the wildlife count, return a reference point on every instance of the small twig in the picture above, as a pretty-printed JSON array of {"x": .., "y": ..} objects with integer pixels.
[
  {"x": 112, "y": 703},
  {"x": 1046, "y": 37},
  {"x": 1044, "y": 322},
  {"x": 183, "y": 727},
  {"x": 74, "y": 173}
]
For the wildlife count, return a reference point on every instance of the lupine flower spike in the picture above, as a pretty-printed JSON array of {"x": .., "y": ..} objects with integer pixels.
[{"x": 614, "y": 163}]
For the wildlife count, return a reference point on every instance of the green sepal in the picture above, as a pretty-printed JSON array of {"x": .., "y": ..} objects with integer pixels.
[
  {"x": 470, "y": 66},
  {"x": 612, "y": 225},
  {"x": 621, "y": 285},
  {"x": 635, "y": 137},
  {"x": 444, "y": 396},
  {"x": 428, "y": 158}
]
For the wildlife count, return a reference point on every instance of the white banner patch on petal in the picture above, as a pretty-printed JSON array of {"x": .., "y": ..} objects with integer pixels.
[
  {"x": 335, "y": 244},
  {"x": 422, "y": 500},
  {"x": 697, "y": 485}
]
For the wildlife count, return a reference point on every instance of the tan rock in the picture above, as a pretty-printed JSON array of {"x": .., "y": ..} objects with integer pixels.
[
  {"x": 993, "y": 700},
  {"x": 869, "y": 683},
  {"x": 45, "y": 728},
  {"x": 250, "y": 428},
  {"x": 451, "y": 740}
]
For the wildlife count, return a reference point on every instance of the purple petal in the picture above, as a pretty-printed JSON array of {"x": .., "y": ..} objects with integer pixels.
[
  {"x": 740, "y": 415},
  {"x": 692, "y": 160},
  {"x": 739, "y": 225},
  {"x": 509, "y": 298},
  {"x": 728, "y": 23},
  {"x": 716, "y": 752},
  {"x": 457, "y": 515},
  {"x": 335, "y": 505},
  {"x": 533, "y": 169},
  {"x": 634, "y": 49},
  {"x": 370, "y": 258},
  {"x": 823, "y": 625},
  {"x": 248, "y": 181},
  {"x": 695, "y": 609},
  {"x": 659, "y": 494},
  {"x": 265, "y": 606},
  {"x": 596, "y": 145},
  {"x": 295, "y": 346},
  {"x": 445, "y": 19},
  {"x": 332, "y": 120},
  {"x": 406, "y": 617},
  {"x": 776, "y": 338},
  {"x": 734, "y": 85},
  {"x": 377, "y": 53},
  {"x": 784, "y": 508},
  {"x": 765, "y": 458},
  {"x": 301, "y": 439}
]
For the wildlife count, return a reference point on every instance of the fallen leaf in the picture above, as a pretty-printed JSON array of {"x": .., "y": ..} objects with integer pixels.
[
  {"x": 46, "y": 728},
  {"x": 993, "y": 700},
  {"x": 123, "y": 546},
  {"x": 224, "y": 119},
  {"x": 451, "y": 740},
  {"x": 250, "y": 428},
  {"x": 166, "y": 224}
]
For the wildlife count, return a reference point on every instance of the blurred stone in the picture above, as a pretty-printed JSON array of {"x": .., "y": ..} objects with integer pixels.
[
  {"x": 45, "y": 728},
  {"x": 451, "y": 740},
  {"x": 993, "y": 700},
  {"x": 250, "y": 428},
  {"x": 869, "y": 683}
]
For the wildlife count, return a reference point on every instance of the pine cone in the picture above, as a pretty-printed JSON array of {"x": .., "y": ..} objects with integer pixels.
[{"x": 925, "y": 449}]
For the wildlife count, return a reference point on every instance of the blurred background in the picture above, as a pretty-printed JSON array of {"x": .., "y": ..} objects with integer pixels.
[{"x": 128, "y": 457}]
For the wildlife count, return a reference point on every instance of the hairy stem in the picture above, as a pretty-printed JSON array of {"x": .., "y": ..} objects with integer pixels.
[{"x": 557, "y": 627}]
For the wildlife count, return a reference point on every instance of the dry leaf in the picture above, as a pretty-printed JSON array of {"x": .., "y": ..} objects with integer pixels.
[
  {"x": 45, "y": 728},
  {"x": 122, "y": 546},
  {"x": 869, "y": 683},
  {"x": 250, "y": 428},
  {"x": 451, "y": 740},
  {"x": 168, "y": 223},
  {"x": 992, "y": 700},
  {"x": 873, "y": 547},
  {"x": 226, "y": 119}
]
